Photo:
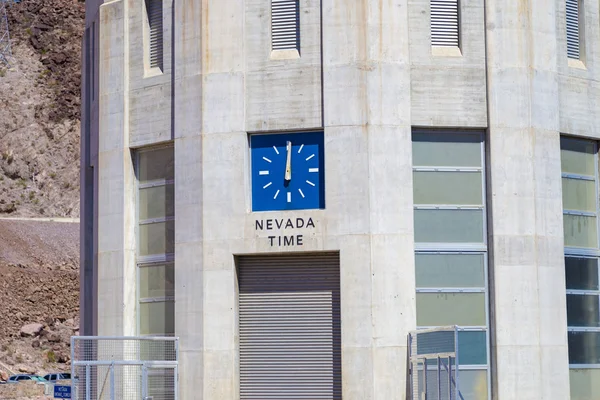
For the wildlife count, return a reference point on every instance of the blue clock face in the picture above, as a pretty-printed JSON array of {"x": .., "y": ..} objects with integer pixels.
[{"x": 287, "y": 171}]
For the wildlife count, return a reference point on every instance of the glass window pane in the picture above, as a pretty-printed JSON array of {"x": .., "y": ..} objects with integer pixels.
[
  {"x": 579, "y": 195},
  {"x": 446, "y": 149},
  {"x": 585, "y": 383},
  {"x": 449, "y": 226},
  {"x": 157, "y": 318},
  {"x": 438, "y": 309},
  {"x": 577, "y": 156},
  {"x": 157, "y": 281},
  {"x": 157, "y": 202},
  {"x": 582, "y": 310},
  {"x": 157, "y": 238},
  {"x": 581, "y": 273},
  {"x": 472, "y": 348},
  {"x": 455, "y": 188},
  {"x": 449, "y": 270},
  {"x": 584, "y": 347},
  {"x": 473, "y": 384},
  {"x": 156, "y": 164},
  {"x": 580, "y": 231}
]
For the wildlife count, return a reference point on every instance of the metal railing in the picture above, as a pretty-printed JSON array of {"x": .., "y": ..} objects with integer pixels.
[
  {"x": 433, "y": 364},
  {"x": 124, "y": 368}
]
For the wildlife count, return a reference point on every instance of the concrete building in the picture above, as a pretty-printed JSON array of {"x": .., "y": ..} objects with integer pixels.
[{"x": 286, "y": 183}]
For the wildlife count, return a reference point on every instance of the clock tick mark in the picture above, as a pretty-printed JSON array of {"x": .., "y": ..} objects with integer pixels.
[
  {"x": 267, "y": 160},
  {"x": 289, "y": 197},
  {"x": 309, "y": 157},
  {"x": 275, "y": 148},
  {"x": 300, "y": 149},
  {"x": 276, "y": 194},
  {"x": 269, "y": 184},
  {"x": 313, "y": 170},
  {"x": 263, "y": 172},
  {"x": 310, "y": 183},
  {"x": 301, "y": 194}
]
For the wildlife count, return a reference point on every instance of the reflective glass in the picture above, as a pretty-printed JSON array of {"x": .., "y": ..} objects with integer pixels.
[
  {"x": 446, "y": 149},
  {"x": 579, "y": 195},
  {"x": 581, "y": 273},
  {"x": 580, "y": 231},
  {"x": 473, "y": 384},
  {"x": 157, "y": 202},
  {"x": 449, "y": 270},
  {"x": 472, "y": 348},
  {"x": 585, "y": 383},
  {"x": 157, "y": 318},
  {"x": 438, "y": 309},
  {"x": 452, "y": 188},
  {"x": 577, "y": 156},
  {"x": 157, "y": 238},
  {"x": 583, "y": 310},
  {"x": 157, "y": 281},
  {"x": 449, "y": 226},
  {"x": 584, "y": 347},
  {"x": 156, "y": 165}
]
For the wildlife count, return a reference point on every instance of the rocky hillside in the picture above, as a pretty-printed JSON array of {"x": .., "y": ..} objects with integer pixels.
[
  {"x": 39, "y": 295},
  {"x": 39, "y": 110}
]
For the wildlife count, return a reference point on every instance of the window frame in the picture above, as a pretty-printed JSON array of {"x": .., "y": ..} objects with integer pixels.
[
  {"x": 462, "y": 248},
  {"x": 582, "y": 252},
  {"x": 153, "y": 259}
]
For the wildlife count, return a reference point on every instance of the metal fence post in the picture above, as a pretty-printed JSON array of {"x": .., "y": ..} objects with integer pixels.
[
  {"x": 88, "y": 384},
  {"x": 112, "y": 382}
]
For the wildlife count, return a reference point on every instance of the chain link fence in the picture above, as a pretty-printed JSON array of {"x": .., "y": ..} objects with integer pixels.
[
  {"x": 124, "y": 368},
  {"x": 433, "y": 364}
]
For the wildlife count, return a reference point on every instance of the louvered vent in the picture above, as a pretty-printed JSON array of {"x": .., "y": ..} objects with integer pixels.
[
  {"x": 154, "y": 8},
  {"x": 285, "y": 24},
  {"x": 444, "y": 23},
  {"x": 573, "y": 29},
  {"x": 290, "y": 327}
]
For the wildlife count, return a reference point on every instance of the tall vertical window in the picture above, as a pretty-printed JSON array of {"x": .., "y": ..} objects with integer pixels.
[
  {"x": 444, "y": 22},
  {"x": 285, "y": 25},
  {"x": 154, "y": 24},
  {"x": 574, "y": 20},
  {"x": 451, "y": 246},
  {"x": 579, "y": 162},
  {"x": 156, "y": 241}
]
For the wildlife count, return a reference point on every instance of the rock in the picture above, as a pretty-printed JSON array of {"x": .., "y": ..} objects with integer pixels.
[
  {"x": 31, "y": 330},
  {"x": 26, "y": 369},
  {"x": 54, "y": 338},
  {"x": 35, "y": 344},
  {"x": 63, "y": 358},
  {"x": 3, "y": 376}
]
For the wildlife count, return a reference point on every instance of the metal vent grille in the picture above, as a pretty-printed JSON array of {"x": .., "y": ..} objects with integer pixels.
[
  {"x": 444, "y": 23},
  {"x": 290, "y": 335},
  {"x": 285, "y": 24},
  {"x": 573, "y": 29},
  {"x": 154, "y": 8}
]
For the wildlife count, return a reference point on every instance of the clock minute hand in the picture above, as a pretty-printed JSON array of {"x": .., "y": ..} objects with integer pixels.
[{"x": 288, "y": 163}]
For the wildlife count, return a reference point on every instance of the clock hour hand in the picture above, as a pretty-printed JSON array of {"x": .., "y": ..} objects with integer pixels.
[{"x": 288, "y": 163}]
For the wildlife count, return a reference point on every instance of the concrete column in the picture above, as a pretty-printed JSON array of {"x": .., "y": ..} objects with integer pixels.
[
  {"x": 224, "y": 195},
  {"x": 189, "y": 266},
  {"x": 116, "y": 258},
  {"x": 529, "y": 328},
  {"x": 366, "y": 84}
]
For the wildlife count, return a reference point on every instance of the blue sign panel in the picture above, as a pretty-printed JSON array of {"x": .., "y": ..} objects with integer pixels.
[{"x": 62, "y": 392}]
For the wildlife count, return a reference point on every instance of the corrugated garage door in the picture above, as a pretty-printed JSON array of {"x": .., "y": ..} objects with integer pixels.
[{"x": 289, "y": 308}]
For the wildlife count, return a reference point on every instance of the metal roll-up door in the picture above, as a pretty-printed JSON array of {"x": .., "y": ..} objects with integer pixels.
[{"x": 289, "y": 321}]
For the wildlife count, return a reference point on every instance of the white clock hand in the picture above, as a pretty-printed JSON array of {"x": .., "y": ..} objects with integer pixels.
[{"x": 288, "y": 164}]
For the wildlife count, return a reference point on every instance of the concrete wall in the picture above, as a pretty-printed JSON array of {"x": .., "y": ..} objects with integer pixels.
[{"x": 365, "y": 74}]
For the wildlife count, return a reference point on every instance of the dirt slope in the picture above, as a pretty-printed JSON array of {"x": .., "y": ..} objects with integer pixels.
[{"x": 39, "y": 283}]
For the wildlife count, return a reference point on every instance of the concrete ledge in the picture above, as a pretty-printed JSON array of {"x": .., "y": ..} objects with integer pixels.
[{"x": 446, "y": 51}]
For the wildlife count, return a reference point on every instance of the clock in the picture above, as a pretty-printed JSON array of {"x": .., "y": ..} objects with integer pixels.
[{"x": 287, "y": 171}]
